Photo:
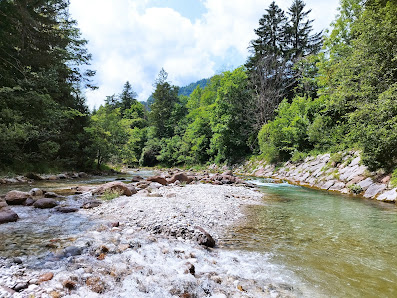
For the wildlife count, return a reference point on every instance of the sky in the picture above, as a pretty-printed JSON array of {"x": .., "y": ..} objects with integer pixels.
[{"x": 131, "y": 40}]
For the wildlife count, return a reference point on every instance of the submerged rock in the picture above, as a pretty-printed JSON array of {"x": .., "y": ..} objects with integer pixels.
[
  {"x": 6, "y": 214},
  {"x": 45, "y": 203}
]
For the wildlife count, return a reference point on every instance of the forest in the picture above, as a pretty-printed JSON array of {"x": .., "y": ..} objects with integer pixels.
[{"x": 299, "y": 93}]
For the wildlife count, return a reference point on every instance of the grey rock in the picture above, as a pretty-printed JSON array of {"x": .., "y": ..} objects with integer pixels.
[
  {"x": 328, "y": 184},
  {"x": 72, "y": 251},
  {"x": 388, "y": 196},
  {"x": 366, "y": 183},
  {"x": 355, "y": 161},
  {"x": 21, "y": 286},
  {"x": 374, "y": 189},
  {"x": 337, "y": 186}
]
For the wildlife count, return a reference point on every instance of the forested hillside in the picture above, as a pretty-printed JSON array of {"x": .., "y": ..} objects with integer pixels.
[{"x": 300, "y": 92}]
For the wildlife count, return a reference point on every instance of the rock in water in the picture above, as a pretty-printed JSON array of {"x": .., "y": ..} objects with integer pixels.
[
  {"x": 113, "y": 186},
  {"x": 45, "y": 203},
  {"x": 204, "y": 238},
  {"x": 36, "y": 192},
  {"x": 16, "y": 197},
  {"x": 6, "y": 214}
]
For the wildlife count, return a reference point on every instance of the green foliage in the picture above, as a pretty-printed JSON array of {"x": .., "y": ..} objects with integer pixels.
[
  {"x": 42, "y": 69},
  {"x": 111, "y": 194},
  {"x": 288, "y": 132},
  {"x": 230, "y": 121},
  {"x": 355, "y": 188},
  {"x": 393, "y": 180}
]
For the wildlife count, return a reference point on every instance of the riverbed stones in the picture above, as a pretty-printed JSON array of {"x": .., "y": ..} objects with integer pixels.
[
  {"x": 46, "y": 277},
  {"x": 118, "y": 186},
  {"x": 16, "y": 197},
  {"x": 6, "y": 214},
  {"x": 66, "y": 209},
  {"x": 45, "y": 203}
]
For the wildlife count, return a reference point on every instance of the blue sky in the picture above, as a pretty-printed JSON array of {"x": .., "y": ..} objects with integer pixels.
[{"x": 192, "y": 39}]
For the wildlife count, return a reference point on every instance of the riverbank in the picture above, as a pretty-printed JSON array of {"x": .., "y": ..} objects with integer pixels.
[
  {"x": 148, "y": 245},
  {"x": 342, "y": 173}
]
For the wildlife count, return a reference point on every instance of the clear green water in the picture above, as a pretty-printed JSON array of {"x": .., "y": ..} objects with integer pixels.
[{"x": 340, "y": 246}]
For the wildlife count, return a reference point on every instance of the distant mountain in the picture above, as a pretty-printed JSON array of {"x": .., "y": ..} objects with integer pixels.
[{"x": 187, "y": 90}]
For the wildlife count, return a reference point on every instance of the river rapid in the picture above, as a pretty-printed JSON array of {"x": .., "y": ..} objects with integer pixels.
[{"x": 295, "y": 242}]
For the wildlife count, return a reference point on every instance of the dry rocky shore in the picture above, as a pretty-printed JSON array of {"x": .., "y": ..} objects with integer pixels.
[{"x": 161, "y": 237}]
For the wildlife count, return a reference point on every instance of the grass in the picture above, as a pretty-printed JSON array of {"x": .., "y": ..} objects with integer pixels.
[{"x": 110, "y": 194}]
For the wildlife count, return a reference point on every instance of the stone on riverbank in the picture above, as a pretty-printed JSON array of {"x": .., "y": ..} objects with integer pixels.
[
  {"x": 113, "y": 186},
  {"x": 16, "y": 197},
  {"x": 158, "y": 179}
]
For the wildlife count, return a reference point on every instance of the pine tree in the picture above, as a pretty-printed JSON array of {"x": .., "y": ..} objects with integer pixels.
[{"x": 301, "y": 42}]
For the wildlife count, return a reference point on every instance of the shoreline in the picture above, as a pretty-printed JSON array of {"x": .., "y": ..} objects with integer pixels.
[
  {"x": 344, "y": 174},
  {"x": 145, "y": 245}
]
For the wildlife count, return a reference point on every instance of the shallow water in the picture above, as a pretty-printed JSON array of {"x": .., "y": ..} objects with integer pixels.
[
  {"x": 39, "y": 232},
  {"x": 343, "y": 246}
]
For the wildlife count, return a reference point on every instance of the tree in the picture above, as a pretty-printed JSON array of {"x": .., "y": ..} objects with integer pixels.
[
  {"x": 42, "y": 61},
  {"x": 161, "y": 115},
  {"x": 300, "y": 40},
  {"x": 230, "y": 121}
]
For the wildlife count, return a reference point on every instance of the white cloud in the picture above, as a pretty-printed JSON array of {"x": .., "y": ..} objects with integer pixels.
[{"x": 131, "y": 41}]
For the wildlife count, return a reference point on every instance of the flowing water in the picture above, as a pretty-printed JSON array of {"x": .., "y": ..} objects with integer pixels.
[
  {"x": 333, "y": 245},
  {"x": 41, "y": 231},
  {"x": 342, "y": 246}
]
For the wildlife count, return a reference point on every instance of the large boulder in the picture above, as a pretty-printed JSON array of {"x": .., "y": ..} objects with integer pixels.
[
  {"x": 121, "y": 187},
  {"x": 182, "y": 177},
  {"x": 45, "y": 203},
  {"x": 6, "y": 214},
  {"x": 158, "y": 179},
  {"x": 16, "y": 197}
]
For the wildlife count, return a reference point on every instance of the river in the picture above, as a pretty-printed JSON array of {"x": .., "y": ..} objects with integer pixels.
[
  {"x": 337, "y": 246},
  {"x": 341, "y": 245}
]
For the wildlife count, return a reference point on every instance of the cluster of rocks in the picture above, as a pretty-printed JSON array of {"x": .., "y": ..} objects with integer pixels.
[
  {"x": 344, "y": 174},
  {"x": 30, "y": 177},
  {"x": 178, "y": 177},
  {"x": 45, "y": 199}
]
